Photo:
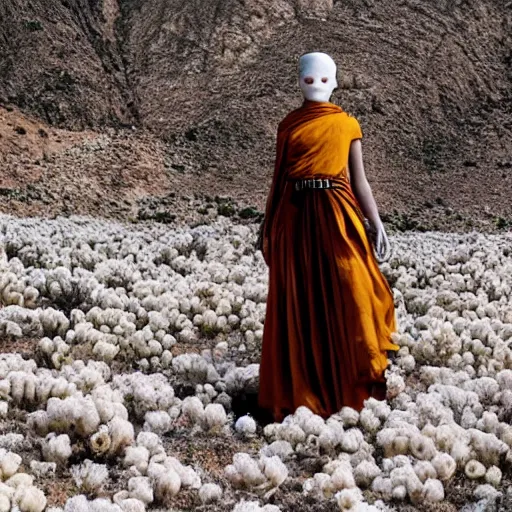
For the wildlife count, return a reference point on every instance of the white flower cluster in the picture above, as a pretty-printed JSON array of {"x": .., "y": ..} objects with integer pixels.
[
  {"x": 140, "y": 297},
  {"x": 158, "y": 477},
  {"x": 265, "y": 473},
  {"x": 99, "y": 296},
  {"x": 254, "y": 506},
  {"x": 17, "y": 321},
  {"x": 16, "y": 488}
]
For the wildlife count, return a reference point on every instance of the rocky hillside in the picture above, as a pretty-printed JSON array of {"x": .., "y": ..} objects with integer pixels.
[{"x": 192, "y": 91}]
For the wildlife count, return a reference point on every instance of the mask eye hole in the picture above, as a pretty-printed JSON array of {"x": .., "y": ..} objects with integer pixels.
[
  {"x": 325, "y": 79},
  {"x": 309, "y": 80}
]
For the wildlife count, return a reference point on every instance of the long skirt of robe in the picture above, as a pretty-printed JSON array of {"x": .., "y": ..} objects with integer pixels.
[{"x": 330, "y": 311}]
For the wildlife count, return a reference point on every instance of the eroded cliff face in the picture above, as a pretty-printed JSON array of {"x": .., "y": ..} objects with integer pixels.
[
  {"x": 61, "y": 61},
  {"x": 80, "y": 63},
  {"x": 430, "y": 83}
]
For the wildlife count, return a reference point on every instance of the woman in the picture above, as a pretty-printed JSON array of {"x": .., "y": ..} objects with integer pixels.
[{"x": 330, "y": 311}]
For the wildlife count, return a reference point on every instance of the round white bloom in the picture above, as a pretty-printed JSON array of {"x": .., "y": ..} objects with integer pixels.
[
  {"x": 425, "y": 470},
  {"x": 422, "y": 447},
  {"x": 210, "y": 493},
  {"x": 9, "y": 464},
  {"x": 167, "y": 485},
  {"x": 433, "y": 491},
  {"x": 215, "y": 416},
  {"x": 444, "y": 465},
  {"x": 400, "y": 492},
  {"x": 349, "y": 417},
  {"x": 486, "y": 492},
  {"x": 365, "y": 472},
  {"x": 351, "y": 440},
  {"x": 348, "y": 499},
  {"x": 474, "y": 469},
  {"x": 29, "y": 499},
  {"x": 274, "y": 469},
  {"x": 245, "y": 425},
  {"x": 140, "y": 488},
  {"x": 493, "y": 476},
  {"x": 90, "y": 477},
  {"x": 343, "y": 478}
]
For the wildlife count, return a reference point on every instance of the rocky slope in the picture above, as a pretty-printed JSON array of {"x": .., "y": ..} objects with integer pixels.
[{"x": 207, "y": 82}]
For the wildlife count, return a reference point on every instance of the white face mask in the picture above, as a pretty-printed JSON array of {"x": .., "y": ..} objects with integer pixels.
[{"x": 317, "y": 76}]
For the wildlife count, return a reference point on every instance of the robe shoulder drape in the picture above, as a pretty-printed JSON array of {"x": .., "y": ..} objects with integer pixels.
[{"x": 330, "y": 311}]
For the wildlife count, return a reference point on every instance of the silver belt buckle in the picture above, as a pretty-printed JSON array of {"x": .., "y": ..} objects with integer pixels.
[{"x": 314, "y": 183}]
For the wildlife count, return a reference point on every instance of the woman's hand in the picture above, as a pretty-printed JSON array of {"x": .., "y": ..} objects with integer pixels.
[{"x": 382, "y": 245}]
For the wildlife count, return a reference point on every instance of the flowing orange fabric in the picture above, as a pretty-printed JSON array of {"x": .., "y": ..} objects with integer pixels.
[{"x": 330, "y": 311}]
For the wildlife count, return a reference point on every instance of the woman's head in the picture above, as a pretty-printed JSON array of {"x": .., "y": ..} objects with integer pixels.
[{"x": 317, "y": 76}]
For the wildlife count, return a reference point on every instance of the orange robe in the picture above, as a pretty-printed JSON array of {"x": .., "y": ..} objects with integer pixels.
[{"x": 330, "y": 311}]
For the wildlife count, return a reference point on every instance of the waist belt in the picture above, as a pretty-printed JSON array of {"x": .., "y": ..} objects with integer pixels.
[{"x": 318, "y": 183}]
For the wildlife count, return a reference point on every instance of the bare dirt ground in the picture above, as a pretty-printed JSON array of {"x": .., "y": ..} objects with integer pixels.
[{"x": 125, "y": 175}]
